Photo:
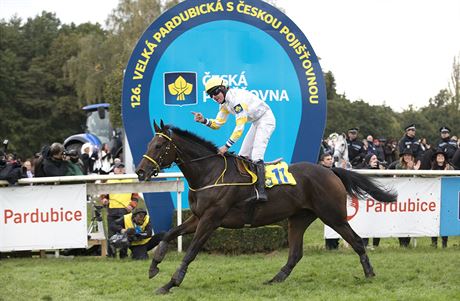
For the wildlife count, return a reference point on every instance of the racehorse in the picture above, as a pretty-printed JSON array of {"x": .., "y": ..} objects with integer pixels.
[
  {"x": 219, "y": 192},
  {"x": 338, "y": 144}
]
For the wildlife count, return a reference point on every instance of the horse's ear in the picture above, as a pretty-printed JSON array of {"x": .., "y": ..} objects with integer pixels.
[
  {"x": 155, "y": 126},
  {"x": 162, "y": 125},
  {"x": 344, "y": 136}
]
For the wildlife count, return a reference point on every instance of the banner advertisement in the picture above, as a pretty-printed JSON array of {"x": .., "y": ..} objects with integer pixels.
[
  {"x": 415, "y": 214},
  {"x": 251, "y": 45},
  {"x": 43, "y": 217},
  {"x": 450, "y": 206}
]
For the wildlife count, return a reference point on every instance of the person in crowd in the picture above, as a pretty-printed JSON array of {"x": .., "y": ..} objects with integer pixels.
[
  {"x": 410, "y": 141},
  {"x": 447, "y": 144},
  {"x": 424, "y": 146},
  {"x": 356, "y": 150},
  {"x": 390, "y": 151},
  {"x": 29, "y": 168},
  {"x": 118, "y": 205},
  {"x": 379, "y": 151},
  {"x": 88, "y": 157},
  {"x": 11, "y": 169},
  {"x": 439, "y": 162},
  {"x": 326, "y": 160},
  {"x": 407, "y": 161},
  {"x": 104, "y": 163},
  {"x": 370, "y": 145},
  {"x": 139, "y": 231},
  {"x": 324, "y": 148},
  {"x": 371, "y": 162},
  {"x": 246, "y": 107},
  {"x": 52, "y": 163},
  {"x": 76, "y": 166}
]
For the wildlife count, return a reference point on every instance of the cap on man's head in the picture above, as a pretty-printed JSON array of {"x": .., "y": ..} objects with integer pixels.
[
  {"x": 138, "y": 210},
  {"x": 119, "y": 165},
  {"x": 353, "y": 130},
  {"x": 444, "y": 129},
  {"x": 410, "y": 127}
]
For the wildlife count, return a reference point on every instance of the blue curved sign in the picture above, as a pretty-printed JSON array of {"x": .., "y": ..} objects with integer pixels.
[{"x": 253, "y": 46}]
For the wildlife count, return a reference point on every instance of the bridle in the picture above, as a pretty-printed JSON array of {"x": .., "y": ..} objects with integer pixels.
[
  {"x": 157, "y": 165},
  {"x": 178, "y": 159}
]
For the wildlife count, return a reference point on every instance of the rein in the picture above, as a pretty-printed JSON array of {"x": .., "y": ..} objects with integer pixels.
[{"x": 182, "y": 162}]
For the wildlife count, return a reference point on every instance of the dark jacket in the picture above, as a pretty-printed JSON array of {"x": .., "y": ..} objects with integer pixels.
[
  {"x": 448, "y": 146},
  {"x": 356, "y": 151},
  {"x": 411, "y": 143}
]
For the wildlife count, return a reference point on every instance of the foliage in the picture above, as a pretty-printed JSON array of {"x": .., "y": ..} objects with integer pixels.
[
  {"x": 49, "y": 70},
  {"x": 240, "y": 241},
  {"x": 382, "y": 121},
  {"x": 39, "y": 104}
]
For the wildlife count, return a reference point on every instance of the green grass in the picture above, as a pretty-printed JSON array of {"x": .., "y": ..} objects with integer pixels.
[{"x": 420, "y": 273}]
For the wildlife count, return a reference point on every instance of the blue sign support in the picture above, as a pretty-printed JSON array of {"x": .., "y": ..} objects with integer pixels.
[{"x": 253, "y": 46}]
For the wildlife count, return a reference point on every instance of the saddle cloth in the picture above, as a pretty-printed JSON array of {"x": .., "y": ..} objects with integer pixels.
[
  {"x": 275, "y": 174},
  {"x": 278, "y": 174}
]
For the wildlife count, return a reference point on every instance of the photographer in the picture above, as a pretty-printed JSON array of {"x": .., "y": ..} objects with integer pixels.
[
  {"x": 118, "y": 205},
  {"x": 136, "y": 226},
  {"x": 52, "y": 163},
  {"x": 11, "y": 169},
  {"x": 76, "y": 167}
]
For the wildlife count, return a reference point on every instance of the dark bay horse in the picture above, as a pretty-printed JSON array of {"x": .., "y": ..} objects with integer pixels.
[{"x": 218, "y": 191}]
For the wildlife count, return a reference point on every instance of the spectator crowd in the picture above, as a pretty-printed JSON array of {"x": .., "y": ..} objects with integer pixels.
[{"x": 410, "y": 152}]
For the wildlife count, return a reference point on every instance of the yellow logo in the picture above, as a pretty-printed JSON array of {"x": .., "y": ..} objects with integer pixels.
[{"x": 180, "y": 88}]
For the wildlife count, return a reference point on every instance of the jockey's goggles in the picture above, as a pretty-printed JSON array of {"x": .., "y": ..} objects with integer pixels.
[{"x": 213, "y": 92}]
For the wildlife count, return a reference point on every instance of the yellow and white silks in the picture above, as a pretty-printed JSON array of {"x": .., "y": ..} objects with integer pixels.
[{"x": 246, "y": 107}]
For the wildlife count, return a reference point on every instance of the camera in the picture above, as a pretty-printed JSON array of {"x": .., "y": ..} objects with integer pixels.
[
  {"x": 119, "y": 240},
  {"x": 5, "y": 145},
  {"x": 71, "y": 153}
]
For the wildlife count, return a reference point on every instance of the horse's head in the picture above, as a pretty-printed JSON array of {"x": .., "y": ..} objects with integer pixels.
[
  {"x": 338, "y": 143},
  {"x": 161, "y": 153}
]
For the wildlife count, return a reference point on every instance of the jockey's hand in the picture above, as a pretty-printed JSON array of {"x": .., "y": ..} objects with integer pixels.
[
  {"x": 198, "y": 117},
  {"x": 223, "y": 149}
]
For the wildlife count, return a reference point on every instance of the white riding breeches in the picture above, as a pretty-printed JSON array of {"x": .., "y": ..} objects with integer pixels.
[{"x": 256, "y": 140}]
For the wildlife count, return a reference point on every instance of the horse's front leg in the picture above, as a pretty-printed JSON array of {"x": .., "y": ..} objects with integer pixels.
[
  {"x": 206, "y": 226},
  {"x": 189, "y": 226}
]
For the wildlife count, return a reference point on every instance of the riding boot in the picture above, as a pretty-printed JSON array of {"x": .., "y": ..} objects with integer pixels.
[{"x": 261, "y": 181}]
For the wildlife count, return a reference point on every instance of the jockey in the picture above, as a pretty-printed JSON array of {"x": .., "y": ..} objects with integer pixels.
[{"x": 247, "y": 108}]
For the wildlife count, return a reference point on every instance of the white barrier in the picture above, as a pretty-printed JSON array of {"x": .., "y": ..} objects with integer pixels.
[
  {"x": 22, "y": 200},
  {"x": 178, "y": 185}
]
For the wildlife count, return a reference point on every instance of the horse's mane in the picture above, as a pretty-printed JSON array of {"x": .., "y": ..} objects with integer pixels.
[{"x": 195, "y": 138}]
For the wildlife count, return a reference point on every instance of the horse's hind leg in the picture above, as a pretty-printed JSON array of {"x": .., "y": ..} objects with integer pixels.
[
  {"x": 350, "y": 236},
  {"x": 189, "y": 226},
  {"x": 297, "y": 225}
]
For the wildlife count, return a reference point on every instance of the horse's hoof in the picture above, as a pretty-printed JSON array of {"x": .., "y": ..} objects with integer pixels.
[
  {"x": 162, "y": 291},
  {"x": 268, "y": 282},
  {"x": 153, "y": 272},
  {"x": 370, "y": 275}
]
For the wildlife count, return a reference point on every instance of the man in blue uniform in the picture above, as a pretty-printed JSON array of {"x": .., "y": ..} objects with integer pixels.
[
  {"x": 410, "y": 141},
  {"x": 356, "y": 151},
  {"x": 446, "y": 144}
]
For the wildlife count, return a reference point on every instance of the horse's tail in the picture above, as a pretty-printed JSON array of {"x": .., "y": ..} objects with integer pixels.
[{"x": 358, "y": 185}]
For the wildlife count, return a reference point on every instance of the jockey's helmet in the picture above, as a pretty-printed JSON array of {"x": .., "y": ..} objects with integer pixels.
[{"x": 213, "y": 84}]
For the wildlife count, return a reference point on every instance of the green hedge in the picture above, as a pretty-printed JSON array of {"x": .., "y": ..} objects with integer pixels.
[{"x": 241, "y": 241}]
